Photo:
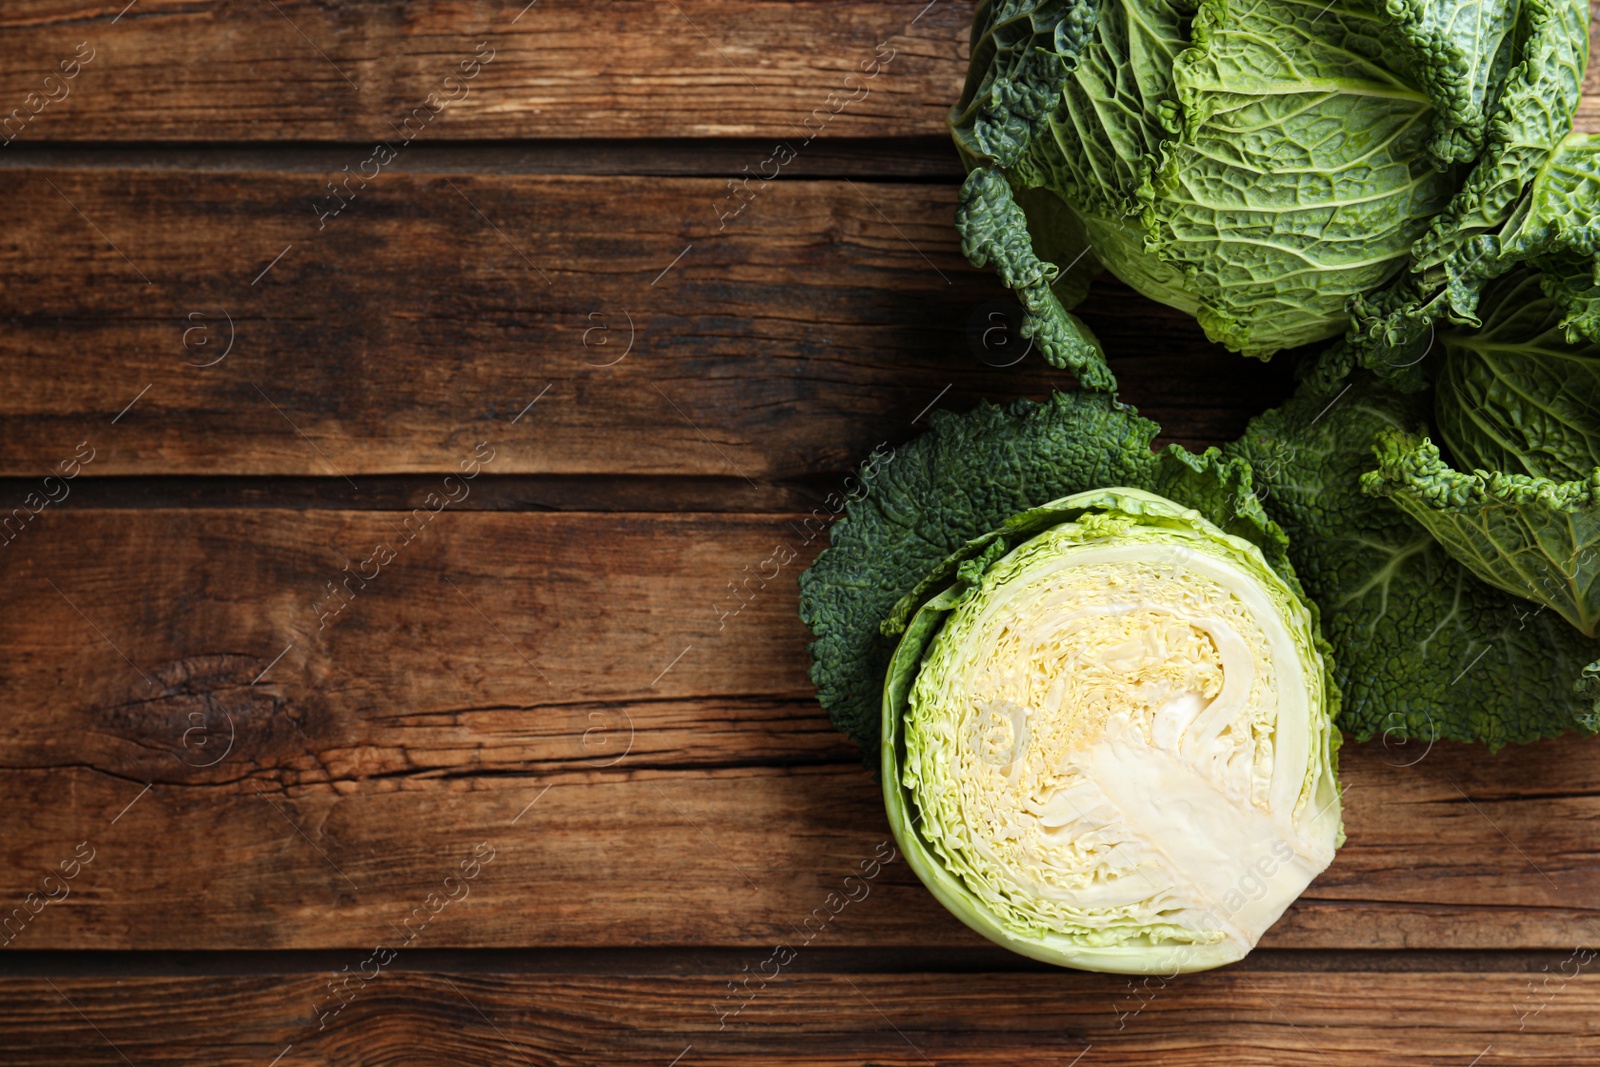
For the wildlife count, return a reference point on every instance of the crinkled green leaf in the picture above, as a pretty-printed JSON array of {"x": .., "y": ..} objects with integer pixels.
[
  {"x": 1532, "y": 537},
  {"x": 994, "y": 230},
  {"x": 1223, "y": 490},
  {"x": 1532, "y": 199},
  {"x": 1559, "y": 234},
  {"x": 1531, "y": 117},
  {"x": 1298, "y": 174},
  {"x": 1558, "y": 216},
  {"x": 1574, "y": 288},
  {"x": 1059, "y": 239},
  {"x": 1424, "y": 648},
  {"x": 1516, "y": 396},
  {"x": 1022, "y": 54},
  {"x": 1459, "y": 54},
  {"x": 1518, "y": 407},
  {"x": 1589, "y": 683},
  {"x": 1096, "y": 143}
]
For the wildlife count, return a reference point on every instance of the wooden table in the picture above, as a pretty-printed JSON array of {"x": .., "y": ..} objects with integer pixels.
[{"x": 325, "y": 753}]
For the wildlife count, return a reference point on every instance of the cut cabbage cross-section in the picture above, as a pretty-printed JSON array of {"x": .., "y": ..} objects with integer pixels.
[{"x": 1109, "y": 738}]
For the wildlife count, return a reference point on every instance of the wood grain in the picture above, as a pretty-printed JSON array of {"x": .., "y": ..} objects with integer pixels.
[
  {"x": 308, "y": 785},
  {"x": 227, "y": 70},
  {"x": 402, "y": 1016},
  {"x": 434, "y": 309},
  {"x": 313, "y": 71},
  {"x": 1588, "y": 118}
]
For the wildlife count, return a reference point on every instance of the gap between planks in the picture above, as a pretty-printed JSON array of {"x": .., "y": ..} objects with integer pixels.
[
  {"x": 402, "y": 492},
  {"x": 898, "y": 159},
  {"x": 662, "y": 961}
]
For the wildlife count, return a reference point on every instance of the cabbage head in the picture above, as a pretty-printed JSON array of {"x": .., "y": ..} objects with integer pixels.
[
  {"x": 1108, "y": 737},
  {"x": 1286, "y": 171}
]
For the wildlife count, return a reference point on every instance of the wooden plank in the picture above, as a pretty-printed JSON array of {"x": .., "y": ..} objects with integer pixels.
[
  {"x": 309, "y": 785},
  {"x": 1591, "y": 75},
  {"x": 299, "y": 70},
  {"x": 1588, "y": 119},
  {"x": 819, "y": 323},
  {"x": 1235, "y": 1016},
  {"x": 206, "y": 70},
  {"x": 634, "y": 856}
]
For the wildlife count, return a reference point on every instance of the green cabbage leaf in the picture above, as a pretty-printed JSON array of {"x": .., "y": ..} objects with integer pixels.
[
  {"x": 1518, "y": 408},
  {"x": 1550, "y": 229},
  {"x": 1425, "y": 648},
  {"x": 1532, "y": 537}
]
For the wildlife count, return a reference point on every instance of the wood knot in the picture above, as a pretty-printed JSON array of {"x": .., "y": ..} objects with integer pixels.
[{"x": 200, "y": 712}]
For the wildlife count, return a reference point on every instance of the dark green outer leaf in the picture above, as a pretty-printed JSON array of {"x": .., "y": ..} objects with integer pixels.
[
  {"x": 994, "y": 230},
  {"x": 1022, "y": 54},
  {"x": 1424, "y": 648},
  {"x": 959, "y": 492}
]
